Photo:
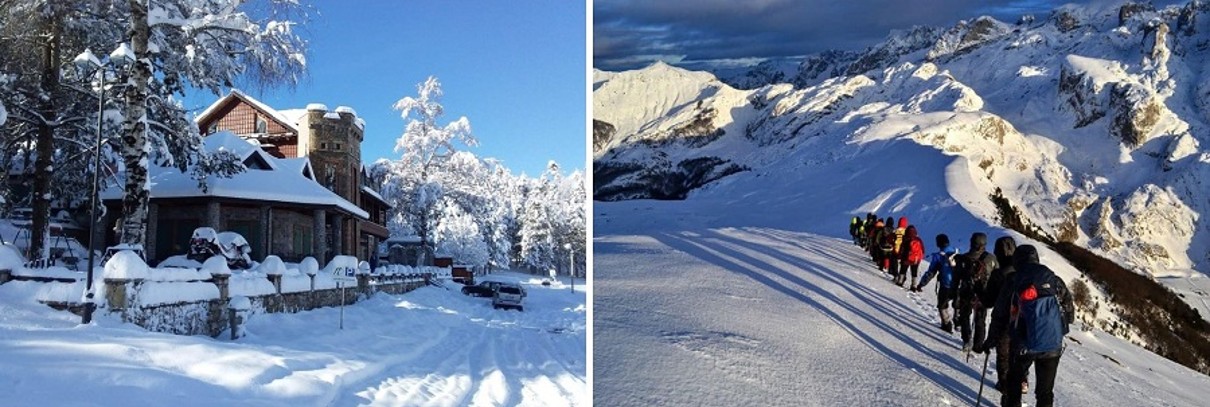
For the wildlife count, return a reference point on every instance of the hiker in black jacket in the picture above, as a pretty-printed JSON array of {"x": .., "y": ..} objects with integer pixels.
[
  {"x": 972, "y": 273},
  {"x": 1004, "y": 249},
  {"x": 1034, "y": 309}
]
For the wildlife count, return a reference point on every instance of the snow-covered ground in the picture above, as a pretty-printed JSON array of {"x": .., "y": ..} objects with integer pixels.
[
  {"x": 709, "y": 302},
  {"x": 429, "y": 347}
]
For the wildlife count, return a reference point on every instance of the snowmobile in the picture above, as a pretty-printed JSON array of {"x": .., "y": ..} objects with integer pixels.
[{"x": 205, "y": 244}]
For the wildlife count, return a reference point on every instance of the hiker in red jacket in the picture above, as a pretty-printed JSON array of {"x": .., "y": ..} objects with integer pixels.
[{"x": 911, "y": 252}]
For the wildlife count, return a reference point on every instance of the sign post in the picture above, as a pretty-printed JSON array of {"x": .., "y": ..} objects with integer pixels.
[{"x": 344, "y": 270}]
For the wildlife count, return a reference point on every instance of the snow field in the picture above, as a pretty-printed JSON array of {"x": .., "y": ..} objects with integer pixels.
[
  {"x": 429, "y": 347},
  {"x": 691, "y": 312}
]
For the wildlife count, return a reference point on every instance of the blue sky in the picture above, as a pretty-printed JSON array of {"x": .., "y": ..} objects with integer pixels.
[{"x": 516, "y": 70}]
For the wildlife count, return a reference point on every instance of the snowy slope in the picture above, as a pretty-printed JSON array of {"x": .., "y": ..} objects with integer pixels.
[
  {"x": 740, "y": 300},
  {"x": 429, "y": 347},
  {"x": 1090, "y": 119}
]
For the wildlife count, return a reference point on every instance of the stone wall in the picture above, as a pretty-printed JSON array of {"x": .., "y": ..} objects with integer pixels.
[{"x": 213, "y": 317}]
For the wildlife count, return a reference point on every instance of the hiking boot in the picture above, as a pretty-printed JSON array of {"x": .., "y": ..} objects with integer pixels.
[{"x": 947, "y": 327}]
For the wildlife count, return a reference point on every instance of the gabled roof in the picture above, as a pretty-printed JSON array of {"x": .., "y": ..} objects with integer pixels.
[
  {"x": 289, "y": 121},
  {"x": 286, "y": 181}
]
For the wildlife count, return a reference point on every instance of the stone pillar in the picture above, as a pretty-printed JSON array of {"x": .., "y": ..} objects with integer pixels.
[
  {"x": 276, "y": 280},
  {"x": 320, "y": 222},
  {"x": 238, "y": 310},
  {"x": 6, "y": 276},
  {"x": 153, "y": 220},
  {"x": 214, "y": 217},
  {"x": 266, "y": 233},
  {"x": 363, "y": 284},
  {"x": 338, "y": 235},
  {"x": 222, "y": 281},
  {"x": 220, "y": 312},
  {"x": 115, "y": 293}
]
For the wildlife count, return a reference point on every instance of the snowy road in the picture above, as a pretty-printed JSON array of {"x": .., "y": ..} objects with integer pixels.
[
  {"x": 430, "y": 347},
  {"x": 760, "y": 316}
]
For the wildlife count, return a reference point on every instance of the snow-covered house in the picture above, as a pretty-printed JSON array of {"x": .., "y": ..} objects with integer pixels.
[{"x": 330, "y": 140}]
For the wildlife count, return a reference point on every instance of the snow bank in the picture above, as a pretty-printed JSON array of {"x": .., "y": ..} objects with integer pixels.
[
  {"x": 250, "y": 284},
  {"x": 180, "y": 261},
  {"x": 126, "y": 265},
  {"x": 159, "y": 293},
  {"x": 178, "y": 274},
  {"x": 60, "y": 292},
  {"x": 10, "y": 257},
  {"x": 49, "y": 272}
]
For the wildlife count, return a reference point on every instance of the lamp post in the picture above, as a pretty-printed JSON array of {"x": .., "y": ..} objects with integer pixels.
[
  {"x": 119, "y": 58},
  {"x": 571, "y": 265}
]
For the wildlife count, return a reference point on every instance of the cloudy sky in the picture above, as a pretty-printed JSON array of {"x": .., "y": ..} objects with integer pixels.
[{"x": 629, "y": 34}]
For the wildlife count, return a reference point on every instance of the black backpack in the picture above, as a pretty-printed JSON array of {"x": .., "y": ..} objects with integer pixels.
[{"x": 975, "y": 271}]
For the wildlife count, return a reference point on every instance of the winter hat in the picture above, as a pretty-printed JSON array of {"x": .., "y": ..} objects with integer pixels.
[
  {"x": 903, "y": 223},
  {"x": 1025, "y": 254},
  {"x": 978, "y": 241},
  {"x": 943, "y": 241},
  {"x": 1005, "y": 246},
  {"x": 910, "y": 234}
]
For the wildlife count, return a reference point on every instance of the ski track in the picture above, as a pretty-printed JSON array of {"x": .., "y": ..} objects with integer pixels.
[{"x": 693, "y": 300}]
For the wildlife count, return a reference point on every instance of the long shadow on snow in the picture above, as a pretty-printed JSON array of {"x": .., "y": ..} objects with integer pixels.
[{"x": 702, "y": 250}]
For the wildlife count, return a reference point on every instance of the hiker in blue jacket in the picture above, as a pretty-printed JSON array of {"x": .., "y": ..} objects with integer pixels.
[
  {"x": 1034, "y": 308},
  {"x": 941, "y": 263}
]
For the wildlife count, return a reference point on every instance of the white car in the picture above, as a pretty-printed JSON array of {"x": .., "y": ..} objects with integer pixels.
[{"x": 508, "y": 295}]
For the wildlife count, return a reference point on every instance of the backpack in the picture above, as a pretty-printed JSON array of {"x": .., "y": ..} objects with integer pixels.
[
  {"x": 916, "y": 252},
  {"x": 888, "y": 239},
  {"x": 977, "y": 271},
  {"x": 1036, "y": 319},
  {"x": 898, "y": 240}
]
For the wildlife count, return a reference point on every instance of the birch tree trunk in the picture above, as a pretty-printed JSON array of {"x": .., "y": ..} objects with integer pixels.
[{"x": 134, "y": 130}]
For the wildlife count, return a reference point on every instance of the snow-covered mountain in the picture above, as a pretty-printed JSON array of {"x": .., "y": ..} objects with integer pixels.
[{"x": 1090, "y": 120}]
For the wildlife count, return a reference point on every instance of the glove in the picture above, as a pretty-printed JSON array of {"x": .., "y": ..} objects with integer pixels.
[{"x": 982, "y": 347}]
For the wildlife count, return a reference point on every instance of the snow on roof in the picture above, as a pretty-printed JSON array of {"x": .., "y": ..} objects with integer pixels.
[
  {"x": 375, "y": 194},
  {"x": 301, "y": 165},
  {"x": 361, "y": 123},
  {"x": 258, "y": 104},
  {"x": 282, "y": 184},
  {"x": 317, "y": 106},
  {"x": 332, "y": 115},
  {"x": 295, "y": 116},
  {"x": 345, "y": 109}
]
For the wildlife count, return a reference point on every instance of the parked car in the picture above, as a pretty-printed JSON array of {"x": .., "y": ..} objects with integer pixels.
[
  {"x": 232, "y": 246},
  {"x": 508, "y": 295},
  {"x": 483, "y": 289}
]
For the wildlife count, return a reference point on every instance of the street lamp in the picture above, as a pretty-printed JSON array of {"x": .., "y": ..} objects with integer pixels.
[
  {"x": 571, "y": 265},
  {"x": 119, "y": 58}
]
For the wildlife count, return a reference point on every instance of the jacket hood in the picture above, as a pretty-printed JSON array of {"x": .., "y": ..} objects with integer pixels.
[
  {"x": 1005, "y": 247},
  {"x": 978, "y": 242},
  {"x": 910, "y": 234},
  {"x": 903, "y": 223},
  {"x": 1025, "y": 254}
]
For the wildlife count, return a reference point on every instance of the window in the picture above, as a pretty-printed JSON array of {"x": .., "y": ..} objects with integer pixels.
[
  {"x": 262, "y": 126},
  {"x": 337, "y": 146},
  {"x": 301, "y": 241},
  {"x": 323, "y": 146}
]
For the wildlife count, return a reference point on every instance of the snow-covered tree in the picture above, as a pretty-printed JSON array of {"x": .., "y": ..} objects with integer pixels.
[
  {"x": 458, "y": 235},
  {"x": 425, "y": 144},
  {"x": 208, "y": 44}
]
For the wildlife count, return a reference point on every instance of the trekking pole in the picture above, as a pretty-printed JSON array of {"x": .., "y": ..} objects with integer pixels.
[{"x": 979, "y": 400}]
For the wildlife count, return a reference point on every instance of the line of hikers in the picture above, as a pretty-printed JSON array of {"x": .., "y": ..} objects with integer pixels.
[{"x": 1031, "y": 307}]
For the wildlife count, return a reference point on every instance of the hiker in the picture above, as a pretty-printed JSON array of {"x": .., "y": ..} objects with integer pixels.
[
  {"x": 971, "y": 275},
  {"x": 1003, "y": 249},
  {"x": 1034, "y": 309},
  {"x": 941, "y": 264},
  {"x": 860, "y": 237},
  {"x": 870, "y": 220},
  {"x": 887, "y": 245},
  {"x": 896, "y": 244},
  {"x": 853, "y": 233},
  {"x": 876, "y": 238},
  {"x": 910, "y": 254}
]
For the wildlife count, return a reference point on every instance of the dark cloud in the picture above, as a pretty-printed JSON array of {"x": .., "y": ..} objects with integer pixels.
[{"x": 632, "y": 33}]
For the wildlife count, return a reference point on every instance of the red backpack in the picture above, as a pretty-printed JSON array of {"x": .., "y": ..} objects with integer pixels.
[{"x": 916, "y": 254}]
